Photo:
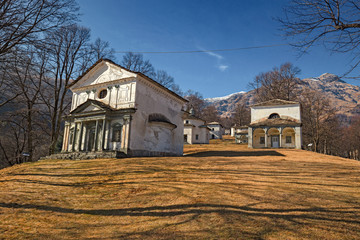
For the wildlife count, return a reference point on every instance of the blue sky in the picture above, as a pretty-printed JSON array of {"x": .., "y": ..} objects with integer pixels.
[{"x": 174, "y": 25}]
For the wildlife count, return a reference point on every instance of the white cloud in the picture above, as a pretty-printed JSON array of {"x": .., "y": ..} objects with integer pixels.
[
  {"x": 220, "y": 59},
  {"x": 223, "y": 67},
  {"x": 218, "y": 56}
]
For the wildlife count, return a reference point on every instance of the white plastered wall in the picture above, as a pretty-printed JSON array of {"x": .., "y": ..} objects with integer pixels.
[
  {"x": 145, "y": 136},
  {"x": 202, "y": 132},
  {"x": 261, "y": 112}
]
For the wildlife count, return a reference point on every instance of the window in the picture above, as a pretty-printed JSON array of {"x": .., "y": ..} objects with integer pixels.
[
  {"x": 102, "y": 94},
  {"x": 274, "y": 115},
  {"x": 288, "y": 139},
  {"x": 197, "y": 137},
  {"x": 262, "y": 140},
  {"x": 187, "y": 121},
  {"x": 116, "y": 134}
]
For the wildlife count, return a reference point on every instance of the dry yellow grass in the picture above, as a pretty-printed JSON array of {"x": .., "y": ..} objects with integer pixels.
[{"x": 216, "y": 191}]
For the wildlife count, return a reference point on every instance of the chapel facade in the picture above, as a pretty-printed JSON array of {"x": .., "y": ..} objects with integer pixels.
[
  {"x": 216, "y": 130},
  {"x": 120, "y": 112},
  {"x": 275, "y": 124},
  {"x": 195, "y": 130}
]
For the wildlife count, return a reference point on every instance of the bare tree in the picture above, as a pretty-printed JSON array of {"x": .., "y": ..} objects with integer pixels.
[
  {"x": 279, "y": 83},
  {"x": 24, "y": 23},
  {"x": 196, "y": 102},
  {"x": 101, "y": 49},
  {"x": 334, "y": 23},
  {"x": 27, "y": 72},
  {"x": 317, "y": 117},
  {"x": 21, "y": 21},
  {"x": 135, "y": 62},
  {"x": 210, "y": 114},
  {"x": 164, "y": 78},
  {"x": 67, "y": 47},
  {"x": 176, "y": 89},
  {"x": 241, "y": 116}
]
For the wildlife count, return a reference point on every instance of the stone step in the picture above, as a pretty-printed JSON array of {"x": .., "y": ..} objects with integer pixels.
[{"x": 85, "y": 155}]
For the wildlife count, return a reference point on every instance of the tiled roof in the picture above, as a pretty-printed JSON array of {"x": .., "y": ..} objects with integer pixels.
[
  {"x": 275, "y": 122},
  {"x": 274, "y": 102}
]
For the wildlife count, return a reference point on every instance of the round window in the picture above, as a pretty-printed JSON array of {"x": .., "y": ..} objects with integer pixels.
[{"x": 102, "y": 94}]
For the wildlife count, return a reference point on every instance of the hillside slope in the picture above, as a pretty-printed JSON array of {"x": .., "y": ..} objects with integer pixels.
[
  {"x": 345, "y": 97},
  {"x": 217, "y": 191}
]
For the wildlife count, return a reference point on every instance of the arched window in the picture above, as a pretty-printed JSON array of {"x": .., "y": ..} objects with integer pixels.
[
  {"x": 116, "y": 132},
  {"x": 102, "y": 94},
  {"x": 274, "y": 115}
]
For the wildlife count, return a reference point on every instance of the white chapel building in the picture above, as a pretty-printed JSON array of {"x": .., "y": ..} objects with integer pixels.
[
  {"x": 216, "y": 130},
  {"x": 117, "y": 111},
  {"x": 275, "y": 124},
  {"x": 195, "y": 130}
]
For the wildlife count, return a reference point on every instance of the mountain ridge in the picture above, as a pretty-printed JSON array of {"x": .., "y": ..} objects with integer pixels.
[{"x": 344, "y": 96}]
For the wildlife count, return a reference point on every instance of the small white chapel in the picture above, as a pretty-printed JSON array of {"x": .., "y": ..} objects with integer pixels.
[
  {"x": 195, "y": 130},
  {"x": 275, "y": 124}
]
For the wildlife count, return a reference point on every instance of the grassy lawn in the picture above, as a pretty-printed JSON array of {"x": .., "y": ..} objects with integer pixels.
[{"x": 216, "y": 191}]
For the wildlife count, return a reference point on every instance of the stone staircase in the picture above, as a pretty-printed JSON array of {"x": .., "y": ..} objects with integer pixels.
[{"x": 86, "y": 155}]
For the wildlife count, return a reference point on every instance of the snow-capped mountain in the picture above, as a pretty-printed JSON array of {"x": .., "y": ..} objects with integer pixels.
[
  {"x": 344, "y": 96},
  {"x": 216, "y": 99}
]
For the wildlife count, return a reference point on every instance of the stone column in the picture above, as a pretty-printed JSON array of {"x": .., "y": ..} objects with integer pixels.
[
  {"x": 74, "y": 138},
  {"x": 127, "y": 132},
  {"x": 250, "y": 137},
  {"x": 95, "y": 137},
  {"x": 109, "y": 89},
  {"x": 65, "y": 137},
  {"x": 107, "y": 136},
  {"x": 298, "y": 137},
  {"x": 103, "y": 135},
  {"x": 80, "y": 137},
  {"x": 266, "y": 137},
  {"x": 280, "y": 136},
  {"x": 68, "y": 139}
]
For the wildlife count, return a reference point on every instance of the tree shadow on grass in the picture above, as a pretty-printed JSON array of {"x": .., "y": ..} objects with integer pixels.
[
  {"x": 314, "y": 213},
  {"x": 235, "y": 154}
]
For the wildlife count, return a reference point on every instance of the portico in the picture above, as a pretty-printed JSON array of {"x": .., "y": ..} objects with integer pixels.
[
  {"x": 274, "y": 137},
  {"x": 101, "y": 129}
]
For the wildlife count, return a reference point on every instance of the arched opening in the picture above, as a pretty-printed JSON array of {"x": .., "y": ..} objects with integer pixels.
[
  {"x": 259, "y": 138},
  {"x": 274, "y": 116},
  {"x": 288, "y": 137},
  {"x": 274, "y": 137}
]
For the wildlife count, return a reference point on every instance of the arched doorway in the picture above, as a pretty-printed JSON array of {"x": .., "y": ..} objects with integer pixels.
[{"x": 274, "y": 136}]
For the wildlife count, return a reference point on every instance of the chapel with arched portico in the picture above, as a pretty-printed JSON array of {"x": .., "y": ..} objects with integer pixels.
[{"x": 275, "y": 124}]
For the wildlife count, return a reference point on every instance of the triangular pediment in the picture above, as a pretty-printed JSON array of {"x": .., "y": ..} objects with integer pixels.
[
  {"x": 91, "y": 106},
  {"x": 101, "y": 72}
]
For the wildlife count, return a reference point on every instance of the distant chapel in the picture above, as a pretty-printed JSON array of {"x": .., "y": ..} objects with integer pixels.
[{"x": 275, "y": 124}]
